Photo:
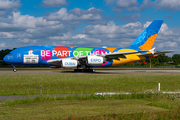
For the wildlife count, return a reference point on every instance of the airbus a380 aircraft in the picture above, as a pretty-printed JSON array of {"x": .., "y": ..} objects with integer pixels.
[{"x": 87, "y": 57}]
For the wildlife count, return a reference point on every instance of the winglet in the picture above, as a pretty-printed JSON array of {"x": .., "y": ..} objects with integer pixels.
[{"x": 152, "y": 50}]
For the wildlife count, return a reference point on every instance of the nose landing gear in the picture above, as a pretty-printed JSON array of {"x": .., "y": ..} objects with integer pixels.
[{"x": 14, "y": 68}]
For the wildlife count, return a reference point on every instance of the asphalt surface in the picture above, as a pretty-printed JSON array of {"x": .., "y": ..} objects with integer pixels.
[{"x": 97, "y": 72}]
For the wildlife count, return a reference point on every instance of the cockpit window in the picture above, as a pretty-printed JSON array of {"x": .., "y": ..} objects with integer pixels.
[{"x": 10, "y": 53}]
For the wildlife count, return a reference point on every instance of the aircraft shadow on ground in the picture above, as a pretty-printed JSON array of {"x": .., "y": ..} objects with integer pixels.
[{"x": 72, "y": 72}]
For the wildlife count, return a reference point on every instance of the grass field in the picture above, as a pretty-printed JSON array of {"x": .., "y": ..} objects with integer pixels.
[
  {"x": 72, "y": 83},
  {"x": 145, "y": 106},
  {"x": 115, "y": 107},
  {"x": 76, "y": 109}
]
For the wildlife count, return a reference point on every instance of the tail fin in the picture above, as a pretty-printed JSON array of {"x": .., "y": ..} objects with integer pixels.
[{"x": 146, "y": 40}]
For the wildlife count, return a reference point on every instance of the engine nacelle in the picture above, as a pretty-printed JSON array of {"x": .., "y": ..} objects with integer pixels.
[
  {"x": 94, "y": 60},
  {"x": 68, "y": 63}
]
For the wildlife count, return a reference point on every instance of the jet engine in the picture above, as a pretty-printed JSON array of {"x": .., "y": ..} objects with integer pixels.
[
  {"x": 94, "y": 60},
  {"x": 68, "y": 63}
]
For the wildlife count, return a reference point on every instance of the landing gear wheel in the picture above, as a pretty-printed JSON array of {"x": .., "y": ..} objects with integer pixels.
[
  {"x": 91, "y": 70},
  {"x": 14, "y": 69}
]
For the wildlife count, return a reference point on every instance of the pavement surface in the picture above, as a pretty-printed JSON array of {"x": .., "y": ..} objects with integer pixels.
[{"x": 97, "y": 72}]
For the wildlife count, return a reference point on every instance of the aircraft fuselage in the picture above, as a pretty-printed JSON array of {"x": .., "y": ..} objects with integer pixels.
[{"x": 39, "y": 55}]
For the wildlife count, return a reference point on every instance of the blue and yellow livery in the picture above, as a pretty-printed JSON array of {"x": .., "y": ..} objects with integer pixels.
[{"x": 88, "y": 57}]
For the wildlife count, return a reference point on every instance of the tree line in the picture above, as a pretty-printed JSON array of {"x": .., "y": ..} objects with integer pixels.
[
  {"x": 2, "y": 54},
  {"x": 160, "y": 60}
]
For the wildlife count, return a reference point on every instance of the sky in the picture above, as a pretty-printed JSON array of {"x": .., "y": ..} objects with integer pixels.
[{"x": 88, "y": 23}]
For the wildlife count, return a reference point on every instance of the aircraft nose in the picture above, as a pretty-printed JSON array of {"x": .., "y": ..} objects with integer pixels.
[{"x": 5, "y": 59}]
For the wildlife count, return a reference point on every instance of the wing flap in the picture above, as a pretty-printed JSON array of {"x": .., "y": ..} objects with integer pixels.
[{"x": 155, "y": 53}]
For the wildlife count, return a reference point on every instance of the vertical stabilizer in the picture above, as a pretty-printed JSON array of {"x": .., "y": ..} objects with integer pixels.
[{"x": 146, "y": 39}]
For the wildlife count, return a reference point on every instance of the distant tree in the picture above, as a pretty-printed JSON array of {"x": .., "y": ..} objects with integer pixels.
[
  {"x": 176, "y": 59},
  {"x": 159, "y": 60},
  {"x": 162, "y": 58},
  {"x": 169, "y": 59},
  {"x": 3, "y": 53}
]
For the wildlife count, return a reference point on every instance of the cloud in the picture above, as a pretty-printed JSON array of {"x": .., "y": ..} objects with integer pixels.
[
  {"x": 132, "y": 5},
  {"x": 127, "y": 4},
  {"x": 111, "y": 28},
  {"x": 109, "y": 2},
  {"x": 146, "y": 4},
  {"x": 167, "y": 33},
  {"x": 120, "y": 5},
  {"x": 79, "y": 36},
  {"x": 123, "y": 35},
  {"x": 26, "y": 29},
  {"x": 168, "y": 16},
  {"x": 85, "y": 39},
  {"x": 25, "y": 40},
  {"x": 112, "y": 35},
  {"x": 30, "y": 21},
  {"x": 65, "y": 36},
  {"x": 7, "y": 4},
  {"x": 18, "y": 22},
  {"x": 2, "y": 13},
  {"x": 130, "y": 17},
  {"x": 22, "y": 29},
  {"x": 7, "y": 35},
  {"x": 168, "y": 45},
  {"x": 171, "y": 5},
  {"x": 79, "y": 12},
  {"x": 60, "y": 28},
  {"x": 2, "y": 45},
  {"x": 75, "y": 14},
  {"x": 164, "y": 28},
  {"x": 54, "y": 3},
  {"x": 167, "y": 38},
  {"x": 68, "y": 39}
]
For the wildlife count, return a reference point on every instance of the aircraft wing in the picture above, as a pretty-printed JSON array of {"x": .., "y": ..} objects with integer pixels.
[
  {"x": 108, "y": 56},
  {"x": 156, "y": 53},
  {"x": 117, "y": 55}
]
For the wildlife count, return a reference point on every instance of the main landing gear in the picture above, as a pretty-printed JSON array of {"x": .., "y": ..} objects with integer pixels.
[{"x": 84, "y": 70}]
